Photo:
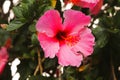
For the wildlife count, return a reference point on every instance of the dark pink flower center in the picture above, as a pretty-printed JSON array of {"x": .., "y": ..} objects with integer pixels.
[
  {"x": 68, "y": 39},
  {"x": 61, "y": 36}
]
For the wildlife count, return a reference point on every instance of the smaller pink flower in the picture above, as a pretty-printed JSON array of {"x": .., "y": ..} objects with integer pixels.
[
  {"x": 93, "y": 5},
  {"x": 69, "y": 41},
  {"x": 96, "y": 9},
  {"x": 3, "y": 58}
]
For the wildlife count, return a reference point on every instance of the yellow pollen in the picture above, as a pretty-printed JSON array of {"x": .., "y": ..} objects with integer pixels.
[{"x": 71, "y": 40}]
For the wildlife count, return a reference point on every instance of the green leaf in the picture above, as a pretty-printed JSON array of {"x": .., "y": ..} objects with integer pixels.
[
  {"x": 25, "y": 55},
  {"x": 32, "y": 28},
  {"x": 70, "y": 70},
  {"x": 25, "y": 10},
  {"x": 3, "y": 36},
  {"x": 106, "y": 22},
  {"x": 101, "y": 42},
  {"x": 14, "y": 25},
  {"x": 34, "y": 39},
  {"x": 48, "y": 8},
  {"x": 24, "y": 69},
  {"x": 28, "y": 10},
  {"x": 28, "y": 1},
  {"x": 101, "y": 36},
  {"x": 50, "y": 63},
  {"x": 18, "y": 12}
]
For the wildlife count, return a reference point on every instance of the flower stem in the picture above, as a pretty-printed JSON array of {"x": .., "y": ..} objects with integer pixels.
[
  {"x": 39, "y": 62},
  {"x": 36, "y": 70},
  {"x": 39, "y": 66}
]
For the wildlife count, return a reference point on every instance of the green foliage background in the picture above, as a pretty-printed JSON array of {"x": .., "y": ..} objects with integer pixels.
[{"x": 101, "y": 65}]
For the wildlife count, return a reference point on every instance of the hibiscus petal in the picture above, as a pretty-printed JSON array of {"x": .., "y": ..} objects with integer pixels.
[
  {"x": 49, "y": 45},
  {"x": 67, "y": 57},
  {"x": 49, "y": 23},
  {"x": 75, "y": 20},
  {"x": 3, "y": 54},
  {"x": 95, "y": 10},
  {"x": 85, "y": 3},
  {"x": 86, "y": 43},
  {"x": 3, "y": 58},
  {"x": 2, "y": 66}
]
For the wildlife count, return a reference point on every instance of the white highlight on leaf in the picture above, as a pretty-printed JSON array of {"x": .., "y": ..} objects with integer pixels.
[
  {"x": 96, "y": 21},
  {"x": 14, "y": 72},
  {"x": 46, "y": 74},
  {"x": 51, "y": 71},
  {"x": 55, "y": 75},
  {"x": 62, "y": 3},
  {"x": 94, "y": 25},
  {"x": 16, "y": 76},
  {"x": 16, "y": 2},
  {"x": 11, "y": 15},
  {"x": 14, "y": 66},
  {"x": 6, "y": 6},
  {"x": 68, "y": 6},
  {"x": 104, "y": 6},
  {"x": 116, "y": 8}
]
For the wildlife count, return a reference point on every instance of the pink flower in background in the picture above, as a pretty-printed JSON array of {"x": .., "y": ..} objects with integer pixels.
[
  {"x": 69, "y": 41},
  {"x": 3, "y": 58},
  {"x": 85, "y": 3},
  {"x": 96, "y": 9},
  {"x": 93, "y": 5}
]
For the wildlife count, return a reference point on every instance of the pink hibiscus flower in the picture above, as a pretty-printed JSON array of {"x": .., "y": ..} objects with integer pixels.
[
  {"x": 96, "y": 9},
  {"x": 3, "y": 58},
  {"x": 69, "y": 41},
  {"x": 93, "y": 5}
]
